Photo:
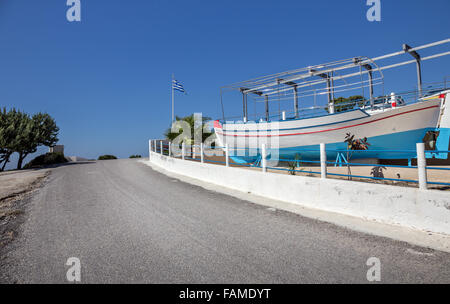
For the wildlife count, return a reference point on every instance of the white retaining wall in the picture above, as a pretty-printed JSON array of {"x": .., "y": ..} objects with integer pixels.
[{"x": 420, "y": 209}]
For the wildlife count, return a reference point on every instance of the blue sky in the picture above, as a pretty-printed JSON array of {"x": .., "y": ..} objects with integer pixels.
[{"x": 106, "y": 79}]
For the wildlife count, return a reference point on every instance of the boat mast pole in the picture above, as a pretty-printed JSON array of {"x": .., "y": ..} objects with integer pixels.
[
  {"x": 332, "y": 86},
  {"x": 368, "y": 67},
  {"x": 244, "y": 104},
  {"x": 408, "y": 49},
  {"x": 246, "y": 108},
  {"x": 371, "y": 88},
  {"x": 330, "y": 99},
  {"x": 296, "y": 101},
  {"x": 327, "y": 77}
]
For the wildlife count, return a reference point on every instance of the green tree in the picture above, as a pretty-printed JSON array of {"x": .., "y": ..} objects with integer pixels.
[
  {"x": 342, "y": 104},
  {"x": 170, "y": 135},
  {"x": 26, "y": 142},
  {"x": 11, "y": 126},
  {"x": 39, "y": 130},
  {"x": 46, "y": 129},
  {"x": 23, "y": 134},
  {"x": 6, "y": 137}
]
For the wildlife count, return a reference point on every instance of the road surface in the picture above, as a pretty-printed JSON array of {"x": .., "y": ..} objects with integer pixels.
[{"x": 128, "y": 223}]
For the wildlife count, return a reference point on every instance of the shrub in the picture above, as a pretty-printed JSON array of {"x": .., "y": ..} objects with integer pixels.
[
  {"x": 107, "y": 156},
  {"x": 135, "y": 156},
  {"x": 292, "y": 165},
  {"x": 46, "y": 159}
]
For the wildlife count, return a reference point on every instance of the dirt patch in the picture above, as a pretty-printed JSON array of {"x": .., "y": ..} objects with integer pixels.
[
  {"x": 13, "y": 183},
  {"x": 16, "y": 190}
]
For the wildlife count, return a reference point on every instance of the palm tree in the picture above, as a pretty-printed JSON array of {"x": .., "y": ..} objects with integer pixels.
[{"x": 170, "y": 136}]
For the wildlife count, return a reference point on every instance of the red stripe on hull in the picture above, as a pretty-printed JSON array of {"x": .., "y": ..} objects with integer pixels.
[{"x": 328, "y": 130}]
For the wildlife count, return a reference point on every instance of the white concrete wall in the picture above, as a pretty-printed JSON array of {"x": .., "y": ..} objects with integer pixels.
[{"x": 420, "y": 209}]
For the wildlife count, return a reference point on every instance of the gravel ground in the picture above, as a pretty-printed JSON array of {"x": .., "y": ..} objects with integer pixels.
[{"x": 16, "y": 189}]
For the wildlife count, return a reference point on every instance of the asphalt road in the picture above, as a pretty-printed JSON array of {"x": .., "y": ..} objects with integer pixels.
[{"x": 129, "y": 224}]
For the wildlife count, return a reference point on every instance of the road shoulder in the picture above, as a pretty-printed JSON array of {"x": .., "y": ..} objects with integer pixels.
[{"x": 16, "y": 189}]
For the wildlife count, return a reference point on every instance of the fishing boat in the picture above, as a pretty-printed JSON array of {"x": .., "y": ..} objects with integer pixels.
[{"x": 392, "y": 123}]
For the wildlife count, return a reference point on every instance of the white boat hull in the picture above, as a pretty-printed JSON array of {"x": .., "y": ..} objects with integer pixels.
[{"x": 393, "y": 129}]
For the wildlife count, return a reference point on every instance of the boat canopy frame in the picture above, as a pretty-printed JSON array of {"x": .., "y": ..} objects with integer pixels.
[{"x": 326, "y": 79}]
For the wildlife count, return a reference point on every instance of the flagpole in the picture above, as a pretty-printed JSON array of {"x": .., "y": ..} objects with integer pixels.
[{"x": 173, "y": 103}]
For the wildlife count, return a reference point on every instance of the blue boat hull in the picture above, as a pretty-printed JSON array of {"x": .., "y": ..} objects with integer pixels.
[{"x": 392, "y": 146}]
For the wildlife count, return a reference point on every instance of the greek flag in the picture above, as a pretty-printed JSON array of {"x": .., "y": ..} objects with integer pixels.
[{"x": 177, "y": 86}]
